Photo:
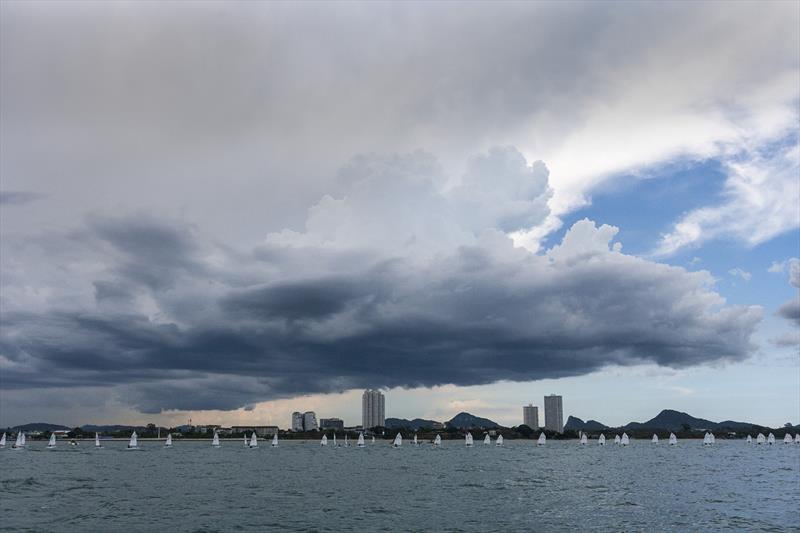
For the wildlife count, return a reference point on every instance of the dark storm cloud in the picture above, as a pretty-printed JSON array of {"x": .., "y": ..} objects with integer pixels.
[
  {"x": 9, "y": 198},
  {"x": 476, "y": 315}
]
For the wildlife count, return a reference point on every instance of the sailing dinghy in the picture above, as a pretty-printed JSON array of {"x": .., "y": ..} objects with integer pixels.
[
  {"x": 487, "y": 440},
  {"x": 97, "y": 441},
  {"x": 133, "y": 444},
  {"x": 253, "y": 440},
  {"x": 360, "y": 442},
  {"x": 616, "y": 439},
  {"x": 324, "y": 441},
  {"x": 760, "y": 439},
  {"x": 601, "y": 440},
  {"x": 19, "y": 443},
  {"x": 584, "y": 439},
  {"x": 796, "y": 438},
  {"x": 215, "y": 440},
  {"x": 770, "y": 439},
  {"x": 416, "y": 442},
  {"x": 3, "y": 441},
  {"x": 749, "y": 440},
  {"x": 373, "y": 439},
  {"x": 168, "y": 442},
  {"x": 438, "y": 440},
  {"x": 787, "y": 439},
  {"x": 542, "y": 439},
  {"x": 673, "y": 440},
  {"x": 398, "y": 441},
  {"x": 624, "y": 440},
  {"x": 499, "y": 441},
  {"x": 468, "y": 439},
  {"x": 654, "y": 440},
  {"x": 52, "y": 442},
  {"x": 275, "y": 440}
]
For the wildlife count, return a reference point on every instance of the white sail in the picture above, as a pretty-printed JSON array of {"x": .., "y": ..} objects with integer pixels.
[
  {"x": 787, "y": 439},
  {"x": 713, "y": 438},
  {"x": 601, "y": 440},
  {"x": 468, "y": 439},
  {"x": 770, "y": 439},
  {"x": 673, "y": 440},
  {"x": 796, "y": 438},
  {"x": 542, "y": 439},
  {"x": 253, "y": 440},
  {"x": 97, "y": 441},
  {"x": 749, "y": 439},
  {"x": 324, "y": 441},
  {"x": 373, "y": 439},
  {"x": 334, "y": 440},
  {"x": 360, "y": 442},
  {"x": 134, "y": 442},
  {"x": 52, "y": 442},
  {"x": 275, "y": 440},
  {"x": 168, "y": 442},
  {"x": 616, "y": 439},
  {"x": 3, "y": 441},
  {"x": 654, "y": 440},
  {"x": 398, "y": 441},
  {"x": 22, "y": 439},
  {"x": 487, "y": 440},
  {"x": 244, "y": 437},
  {"x": 215, "y": 439},
  {"x": 584, "y": 438},
  {"x": 624, "y": 440},
  {"x": 760, "y": 439},
  {"x": 499, "y": 441},
  {"x": 438, "y": 440},
  {"x": 709, "y": 439},
  {"x": 416, "y": 442}
]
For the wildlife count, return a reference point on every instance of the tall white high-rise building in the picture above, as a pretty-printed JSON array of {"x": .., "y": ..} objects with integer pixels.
[
  {"x": 310, "y": 421},
  {"x": 530, "y": 416},
  {"x": 297, "y": 421},
  {"x": 373, "y": 409},
  {"x": 553, "y": 413}
]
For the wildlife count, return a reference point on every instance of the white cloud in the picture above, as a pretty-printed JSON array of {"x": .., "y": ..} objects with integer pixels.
[{"x": 738, "y": 272}]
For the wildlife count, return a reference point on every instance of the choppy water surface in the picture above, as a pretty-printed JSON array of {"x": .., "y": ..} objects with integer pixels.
[{"x": 303, "y": 487}]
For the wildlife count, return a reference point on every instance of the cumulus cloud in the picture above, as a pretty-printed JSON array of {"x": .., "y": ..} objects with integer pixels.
[
  {"x": 391, "y": 283},
  {"x": 740, "y": 273}
]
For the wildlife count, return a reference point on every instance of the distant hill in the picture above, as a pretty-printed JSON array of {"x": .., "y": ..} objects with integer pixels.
[
  {"x": 576, "y": 424},
  {"x": 673, "y": 421},
  {"x": 417, "y": 423},
  {"x": 41, "y": 426},
  {"x": 466, "y": 421}
]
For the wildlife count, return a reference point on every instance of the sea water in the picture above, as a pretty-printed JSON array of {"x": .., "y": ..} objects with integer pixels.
[{"x": 301, "y": 486}]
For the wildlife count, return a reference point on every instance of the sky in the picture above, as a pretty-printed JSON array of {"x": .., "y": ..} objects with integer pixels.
[{"x": 229, "y": 211}]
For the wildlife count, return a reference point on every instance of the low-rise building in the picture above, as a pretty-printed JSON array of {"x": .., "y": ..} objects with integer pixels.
[
  {"x": 261, "y": 431},
  {"x": 331, "y": 423}
]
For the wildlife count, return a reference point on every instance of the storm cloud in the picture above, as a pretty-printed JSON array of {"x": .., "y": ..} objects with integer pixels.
[{"x": 401, "y": 280}]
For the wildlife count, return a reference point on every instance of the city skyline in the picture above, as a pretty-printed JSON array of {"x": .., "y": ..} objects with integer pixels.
[{"x": 453, "y": 209}]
